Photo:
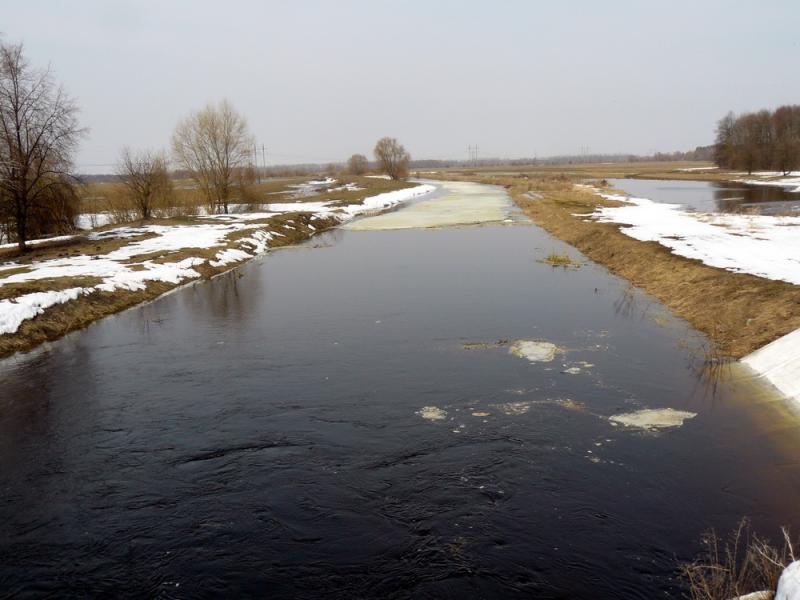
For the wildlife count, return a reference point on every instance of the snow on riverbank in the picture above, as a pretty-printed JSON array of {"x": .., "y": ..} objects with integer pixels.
[
  {"x": 761, "y": 245},
  {"x": 791, "y": 182},
  {"x": 120, "y": 269}
]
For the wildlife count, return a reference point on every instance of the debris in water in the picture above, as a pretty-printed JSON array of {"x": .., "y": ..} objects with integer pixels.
[
  {"x": 432, "y": 413},
  {"x": 652, "y": 419},
  {"x": 480, "y": 413},
  {"x": 570, "y": 404},
  {"x": 572, "y": 370},
  {"x": 483, "y": 345},
  {"x": 534, "y": 351},
  {"x": 514, "y": 408}
]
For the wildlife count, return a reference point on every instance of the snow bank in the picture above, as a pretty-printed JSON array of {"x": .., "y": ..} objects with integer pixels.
[
  {"x": 789, "y": 583},
  {"x": 761, "y": 245},
  {"x": 14, "y": 312},
  {"x": 779, "y": 363},
  {"x": 792, "y": 183}
]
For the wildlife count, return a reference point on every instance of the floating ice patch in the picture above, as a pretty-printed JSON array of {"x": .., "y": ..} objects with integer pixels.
[
  {"x": 432, "y": 413},
  {"x": 464, "y": 204},
  {"x": 534, "y": 351},
  {"x": 653, "y": 419}
]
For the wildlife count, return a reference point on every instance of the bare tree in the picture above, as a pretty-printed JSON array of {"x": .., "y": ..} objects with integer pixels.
[
  {"x": 392, "y": 157},
  {"x": 357, "y": 164},
  {"x": 145, "y": 176},
  {"x": 213, "y": 144},
  {"x": 39, "y": 133}
]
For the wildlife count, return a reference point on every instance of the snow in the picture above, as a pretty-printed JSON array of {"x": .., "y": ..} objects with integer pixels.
[
  {"x": 779, "y": 363},
  {"x": 761, "y": 245},
  {"x": 119, "y": 270},
  {"x": 693, "y": 169},
  {"x": 791, "y": 183},
  {"x": 92, "y": 220},
  {"x": 50, "y": 240},
  {"x": 14, "y": 312},
  {"x": 789, "y": 583}
]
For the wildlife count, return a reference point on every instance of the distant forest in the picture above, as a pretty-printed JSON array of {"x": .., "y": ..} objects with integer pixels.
[
  {"x": 760, "y": 141},
  {"x": 701, "y": 153}
]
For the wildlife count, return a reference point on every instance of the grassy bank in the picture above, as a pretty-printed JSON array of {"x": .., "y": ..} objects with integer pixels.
[{"x": 739, "y": 312}]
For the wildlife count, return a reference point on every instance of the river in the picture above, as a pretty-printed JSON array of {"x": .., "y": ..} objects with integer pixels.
[{"x": 272, "y": 433}]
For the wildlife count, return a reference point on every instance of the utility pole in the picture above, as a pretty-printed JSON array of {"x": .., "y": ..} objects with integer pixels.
[
  {"x": 472, "y": 155},
  {"x": 264, "y": 160}
]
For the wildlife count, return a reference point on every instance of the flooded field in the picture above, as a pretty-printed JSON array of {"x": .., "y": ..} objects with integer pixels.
[
  {"x": 714, "y": 196},
  {"x": 393, "y": 413}
]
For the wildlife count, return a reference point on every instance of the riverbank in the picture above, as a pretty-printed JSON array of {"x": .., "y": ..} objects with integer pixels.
[
  {"x": 56, "y": 289},
  {"x": 739, "y": 312}
]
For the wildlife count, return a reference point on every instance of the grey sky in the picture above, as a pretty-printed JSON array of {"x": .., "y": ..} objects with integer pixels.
[{"x": 321, "y": 80}]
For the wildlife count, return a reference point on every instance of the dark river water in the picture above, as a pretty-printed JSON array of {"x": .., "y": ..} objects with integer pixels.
[
  {"x": 714, "y": 196},
  {"x": 257, "y": 435}
]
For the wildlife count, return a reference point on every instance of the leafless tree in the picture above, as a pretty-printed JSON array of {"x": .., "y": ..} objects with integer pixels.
[
  {"x": 145, "y": 176},
  {"x": 357, "y": 164},
  {"x": 392, "y": 157},
  {"x": 213, "y": 144},
  {"x": 39, "y": 132},
  {"x": 760, "y": 140}
]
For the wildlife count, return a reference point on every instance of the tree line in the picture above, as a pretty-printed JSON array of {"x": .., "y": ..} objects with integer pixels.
[
  {"x": 760, "y": 141},
  {"x": 40, "y": 133}
]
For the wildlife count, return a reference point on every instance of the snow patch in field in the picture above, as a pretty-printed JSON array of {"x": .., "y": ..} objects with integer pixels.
[
  {"x": 761, "y": 245},
  {"x": 34, "y": 243},
  {"x": 14, "y": 312}
]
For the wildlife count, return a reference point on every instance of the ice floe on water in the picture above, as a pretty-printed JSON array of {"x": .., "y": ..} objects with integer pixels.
[
  {"x": 432, "y": 413},
  {"x": 652, "y": 419},
  {"x": 534, "y": 351},
  {"x": 462, "y": 204}
]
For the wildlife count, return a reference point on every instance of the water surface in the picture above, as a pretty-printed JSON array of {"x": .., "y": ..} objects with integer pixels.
[
  {"x": 261, "y": 435},
  {"x": 714, "y": 196}
]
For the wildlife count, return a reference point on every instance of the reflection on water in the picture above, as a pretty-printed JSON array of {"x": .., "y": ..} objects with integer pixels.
[
  {"x": 269, "y": 433},
  {"x": 714, "y": 196}
]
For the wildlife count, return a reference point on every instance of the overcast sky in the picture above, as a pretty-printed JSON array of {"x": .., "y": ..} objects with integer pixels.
[{"x": 319, "y": 80}]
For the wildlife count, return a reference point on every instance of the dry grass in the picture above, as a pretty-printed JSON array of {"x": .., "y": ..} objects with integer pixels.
[
  {"x": 186, "y": 200},
  {"x": 742, "y": 564},
  {"x": 633, "y": 170},
  {"x": 560, "y": 259},
  {"x": 739, "y": 312}
]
